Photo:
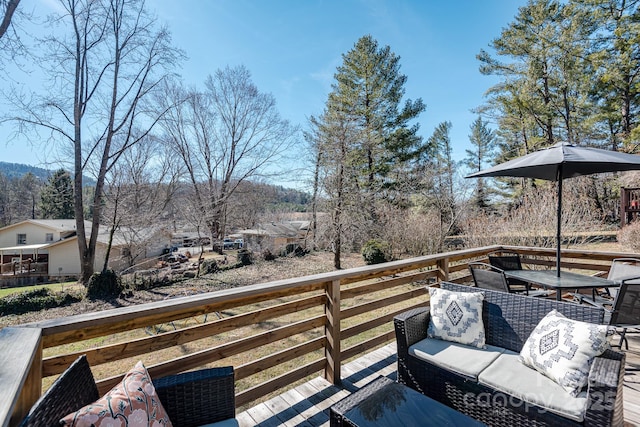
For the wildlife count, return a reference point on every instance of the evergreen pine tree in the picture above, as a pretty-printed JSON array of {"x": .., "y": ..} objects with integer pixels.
[
  {"x": 368, "y": 91},
  {"x": 483, "y": 141},
  {"x": 56, "y": 197}
]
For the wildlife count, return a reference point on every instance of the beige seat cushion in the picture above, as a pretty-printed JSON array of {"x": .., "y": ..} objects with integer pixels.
[
  {"x": 459, "y": 358},
  {"x": 509, "y": 375}
]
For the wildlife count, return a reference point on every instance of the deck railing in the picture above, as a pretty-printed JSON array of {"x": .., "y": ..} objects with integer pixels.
[{"x": 274, "y": 334}]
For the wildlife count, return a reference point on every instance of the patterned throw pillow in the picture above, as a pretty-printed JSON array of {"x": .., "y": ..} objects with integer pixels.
[
  {"x": 456, "y": 316},
  {"x": 133, "y": 403},
  {"x": 564, "y": 349}
]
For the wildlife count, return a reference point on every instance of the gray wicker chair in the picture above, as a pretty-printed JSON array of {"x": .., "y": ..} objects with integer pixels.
[{"x": 190, "y": 399}]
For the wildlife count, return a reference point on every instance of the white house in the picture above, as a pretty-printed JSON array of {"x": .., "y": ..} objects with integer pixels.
[
  {"x": 55, "y": 243},
  {"x": 37, "y": 231}
]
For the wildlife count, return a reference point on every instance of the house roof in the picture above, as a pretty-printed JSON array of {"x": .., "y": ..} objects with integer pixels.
[
  {"x": 57, "y": 224},
  {"x": 103, "y": 239},
  {"x": 25, "y": 247},
  {"x": 60, "y": 225},
  {"x": 280, "y": 229},
  {"x": 67, "y": 229}
]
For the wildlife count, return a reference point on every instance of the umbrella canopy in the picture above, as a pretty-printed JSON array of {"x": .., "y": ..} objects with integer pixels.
[{"x": 562, "y": 161}]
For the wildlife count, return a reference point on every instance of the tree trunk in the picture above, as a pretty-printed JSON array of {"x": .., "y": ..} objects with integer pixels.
[{"x": 12, "y": 5}]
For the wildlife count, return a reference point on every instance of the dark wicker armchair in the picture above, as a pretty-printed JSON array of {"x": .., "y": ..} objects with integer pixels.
[{"x": 190, "y": 399}]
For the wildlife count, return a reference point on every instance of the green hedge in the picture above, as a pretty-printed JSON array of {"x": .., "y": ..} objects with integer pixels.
[{"x": 36, "y": 300}]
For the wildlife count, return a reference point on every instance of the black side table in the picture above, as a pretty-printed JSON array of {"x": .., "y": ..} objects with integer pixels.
[{"x": 385, "y": 403}]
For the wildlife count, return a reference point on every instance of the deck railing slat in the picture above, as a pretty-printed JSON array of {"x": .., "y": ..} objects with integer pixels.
[{"x": 57, "y": 364}]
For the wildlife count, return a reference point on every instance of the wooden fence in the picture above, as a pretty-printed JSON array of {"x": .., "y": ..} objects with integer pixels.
[{"x": 274, "y": 334}]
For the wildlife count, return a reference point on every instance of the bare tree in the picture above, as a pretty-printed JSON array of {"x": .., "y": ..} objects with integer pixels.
[
  {"x": 248, "y": 204},
  {"x": 227, "y": 135},
  {"x": 139, "y": 189},
  {"x": 14, "y": 24},
  {"x": 331, "y": 136},
  {"x": 19, "y": 198},
  {"x": 101, "y": 73}
]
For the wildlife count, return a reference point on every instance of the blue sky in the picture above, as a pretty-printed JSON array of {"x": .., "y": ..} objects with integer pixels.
[{"x": 292, "y": 49}]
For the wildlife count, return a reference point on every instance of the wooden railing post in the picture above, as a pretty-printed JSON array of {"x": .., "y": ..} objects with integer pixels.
[
  {"x": 21, "y": 372},
  {"x": 332, "y": 332},
  {"x": 443, "y": 270}
]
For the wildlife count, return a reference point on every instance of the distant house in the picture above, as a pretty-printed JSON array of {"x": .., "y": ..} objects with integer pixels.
[
  {"x": 275, "y": 235},
  {"x": 189, "y": 238},
  {"x": 55, "y": 243},
  {"x": 36, "y": 231}
]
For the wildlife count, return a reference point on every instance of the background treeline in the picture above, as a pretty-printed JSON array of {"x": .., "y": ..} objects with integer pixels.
[
  {"x": 23, "y": 195},
  {"x": 568, "y": 71}
]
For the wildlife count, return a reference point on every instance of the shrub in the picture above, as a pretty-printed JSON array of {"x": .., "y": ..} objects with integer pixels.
[
  {"x": 104, "y": 285},
  {"x": 629, "y": 237},
  {"x": 299, "y": 251},
  {"x": 267, "y": 255},
  {"x": 36, "y": 300},
  {"x": 208, "y": 266},
  {"x": 376, "y": 251},
  {"x": 245, "y": 257},
  {"x": 144, "y": 280}
]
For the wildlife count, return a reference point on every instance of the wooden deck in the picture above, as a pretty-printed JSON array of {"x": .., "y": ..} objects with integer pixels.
[{"x": 308, "y": 404}]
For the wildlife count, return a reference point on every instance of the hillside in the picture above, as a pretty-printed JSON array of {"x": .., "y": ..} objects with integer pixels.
[{"x": 18, "y": 170}]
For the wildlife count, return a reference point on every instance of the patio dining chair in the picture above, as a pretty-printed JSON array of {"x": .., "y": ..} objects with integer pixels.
[
  {"x": 487, "y": 276},
  {"x": 625, "y": 313},
  {"x": 622, "y": 307},
  {"x": 510, "y": 261},
  {"x": 621, "y": 268}
]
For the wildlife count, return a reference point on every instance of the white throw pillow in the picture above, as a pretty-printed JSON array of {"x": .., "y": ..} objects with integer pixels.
[
  {"x": 457, "y": 317},
  {"x": 564, "y": 349}
]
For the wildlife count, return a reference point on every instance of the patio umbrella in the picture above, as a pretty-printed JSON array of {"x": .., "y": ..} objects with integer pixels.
[{"x": 559, "y": 162}]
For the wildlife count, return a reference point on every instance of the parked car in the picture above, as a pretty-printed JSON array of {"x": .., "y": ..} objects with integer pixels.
[{"x": 227, "y": 244}]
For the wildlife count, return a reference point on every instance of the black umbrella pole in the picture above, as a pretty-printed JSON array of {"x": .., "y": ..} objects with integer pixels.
[{"x": 559, "y": 222}]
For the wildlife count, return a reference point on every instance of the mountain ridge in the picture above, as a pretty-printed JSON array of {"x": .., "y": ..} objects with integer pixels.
[{"x": 18, "y": 170}]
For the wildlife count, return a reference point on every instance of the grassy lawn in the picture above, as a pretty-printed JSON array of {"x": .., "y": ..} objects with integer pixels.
[{"x": 56, "y": 287}]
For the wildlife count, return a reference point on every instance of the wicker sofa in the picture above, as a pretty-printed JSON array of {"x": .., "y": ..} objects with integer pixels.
[
  {"x": 198, "y": 398},
  {"x": 508, "y": 320}
]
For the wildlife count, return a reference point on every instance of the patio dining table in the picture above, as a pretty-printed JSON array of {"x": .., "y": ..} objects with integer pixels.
[{"x": 549, "y": 279}]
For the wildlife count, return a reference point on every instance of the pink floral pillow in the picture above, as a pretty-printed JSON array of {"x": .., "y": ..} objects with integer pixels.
[{"x": 132, "y": 403}]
